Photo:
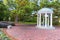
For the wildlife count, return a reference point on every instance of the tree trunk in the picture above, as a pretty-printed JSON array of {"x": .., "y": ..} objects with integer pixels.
[{"x": 16, "y": 18}]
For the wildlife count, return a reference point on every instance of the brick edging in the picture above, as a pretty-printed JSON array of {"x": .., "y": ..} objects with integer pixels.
[{"x": 12, "y": 38}]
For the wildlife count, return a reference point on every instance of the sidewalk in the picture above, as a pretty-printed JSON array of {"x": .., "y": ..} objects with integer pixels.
[{"x": 32, "y": 33}]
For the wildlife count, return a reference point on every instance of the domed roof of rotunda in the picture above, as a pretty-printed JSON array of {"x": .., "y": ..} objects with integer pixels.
[{"x": 45, "y": 10}]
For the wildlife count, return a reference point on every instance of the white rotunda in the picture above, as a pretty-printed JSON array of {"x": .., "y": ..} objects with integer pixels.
[{"x": 44, "y": 18}]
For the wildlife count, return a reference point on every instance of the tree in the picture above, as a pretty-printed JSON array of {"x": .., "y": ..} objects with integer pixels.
[
  {"x": 4, "y": 12},
  {"x": 22, "y": 8}
]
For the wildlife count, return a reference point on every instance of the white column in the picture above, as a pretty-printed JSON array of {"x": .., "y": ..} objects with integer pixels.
[
  {"x": 45, "y": 19},
  {"x": 40, "y": 20},
  {"x": 48, "y": 20},
  {"x": 51, "y": 20}
]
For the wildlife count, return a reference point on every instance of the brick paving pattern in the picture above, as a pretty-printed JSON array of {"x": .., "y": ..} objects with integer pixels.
[{"x": 27, "y": 32}]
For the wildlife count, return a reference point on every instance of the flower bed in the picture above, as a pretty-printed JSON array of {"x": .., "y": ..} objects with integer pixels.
[{"x": 3, "y": 36}]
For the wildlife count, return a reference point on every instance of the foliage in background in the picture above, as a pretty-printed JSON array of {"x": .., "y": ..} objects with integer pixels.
[
  {"x": 4, "y": 12},
  {"x": 21, "y": 10}
]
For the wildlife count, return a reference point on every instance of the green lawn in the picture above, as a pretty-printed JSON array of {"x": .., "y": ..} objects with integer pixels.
[{"x": 27, "y": 22}]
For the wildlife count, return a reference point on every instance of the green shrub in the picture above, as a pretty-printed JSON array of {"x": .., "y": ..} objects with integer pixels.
[{"x": 3, "y": 36}]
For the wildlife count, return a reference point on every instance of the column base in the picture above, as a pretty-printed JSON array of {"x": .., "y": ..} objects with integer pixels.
[{"x": 43, "y": 27}]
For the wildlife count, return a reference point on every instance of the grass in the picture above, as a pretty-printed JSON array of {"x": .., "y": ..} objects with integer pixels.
[{"x": 27, "y": 22}]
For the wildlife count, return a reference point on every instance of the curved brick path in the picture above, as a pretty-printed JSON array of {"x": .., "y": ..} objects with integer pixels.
[{"x": 32, "y": 33}]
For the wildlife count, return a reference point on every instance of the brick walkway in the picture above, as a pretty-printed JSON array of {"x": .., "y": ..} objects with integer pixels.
[{"x": 30, "y": 32}]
